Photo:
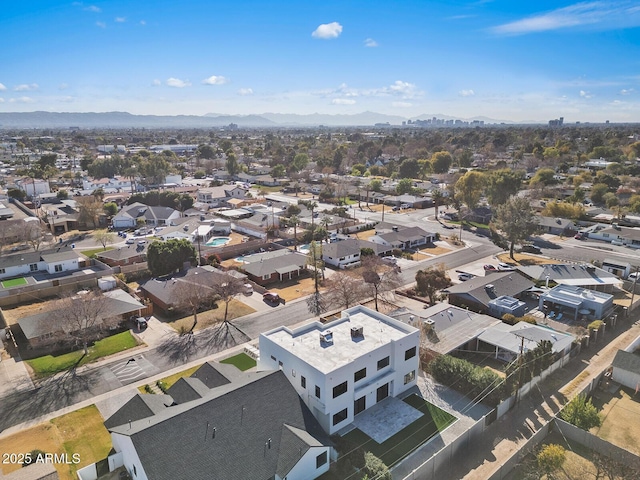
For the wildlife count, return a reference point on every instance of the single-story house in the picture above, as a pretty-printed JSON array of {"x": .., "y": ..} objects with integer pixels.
[
  {"x": 343, "y": 254},
  {"x": 404, "y": 237},
  {"x": 584, "y": 275},
  {"x": 5, "y": 212},
  {"x": 138, "y": 213},
  {"x": 557, "y": 226},
  {"x": 277, "y": 266},
  {"x": 619, "y": 268},
  {"x": 254, "y": 427},
  {"x": 447, "y": 328},
  {"x": 126, "y": 255},
  {"x": 617, "y": 234},
  {"x": 507, "y": 340},
  {"x": 162, "y": 291},
  {"x": 477, "y": 292},
  {"x": 42, "y": 329},
  {"x": 414, "y": 201},
  {"x": 55, "y": 260},
  {"x": 575, "y": 302}
]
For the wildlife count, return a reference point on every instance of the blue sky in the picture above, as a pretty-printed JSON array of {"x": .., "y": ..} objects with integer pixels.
[{"x": 507, "y": 60}]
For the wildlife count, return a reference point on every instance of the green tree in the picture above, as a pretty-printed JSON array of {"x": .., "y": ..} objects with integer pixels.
[
  {"x": 167, "y": 257},
  {"x": 516, "y": 220},
  {"x": 278, "y": 171},
  {"x": 581, "y": 413},
  {"x": 502, "y": 184},
  {"x": 405, "y": 185},
  {"x": 598, "y": 191},
  {"x": 432, "y": 280},
  {"x": 300, "y": 161},
  {"x": 233, "y": 168},
  {"x": 375, "y": 185},
  {"x": 206, "y": 151},
  {"x": 62, "y": 194},
  {"x": 111, "y": 208},
  {"x": 544, "y": 177},
  {"x": 374, "y": 468},
  {"x": 16, "y": 193},
  {"x": 441, "y": 162},
  {"x": 469, "y": 188},
  {"x": 409, "y": 168}
]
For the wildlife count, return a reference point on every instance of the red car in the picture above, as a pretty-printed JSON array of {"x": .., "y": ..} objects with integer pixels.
[
  {"x": 489, "y": 268},
  {"x": 271, "y": 297}
]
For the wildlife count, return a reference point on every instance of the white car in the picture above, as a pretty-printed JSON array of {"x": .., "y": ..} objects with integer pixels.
[
  {"x": 463, "y": 277},
  {"x": 505, "y": 267},
  {"x": 130, "y": 241},
  {"x": 390, "y": 260}
]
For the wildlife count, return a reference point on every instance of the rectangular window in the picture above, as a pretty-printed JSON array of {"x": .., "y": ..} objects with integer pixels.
[
  {"x": 317, "y": 391},
  {"x": 33, "y": 267},
  {"x": 410, "y": 377},
  {"x": 383, "y": 363},
  {"x": 57, "y": 268},
  {"x": 410, "y": 353},
  {"x": 360, "y": 374},
  {"x": 280, "y": 364},
  {"x": 341, "y": 416},
  {"x": 321, "y": 459},
  {"x": 339, "y": 389},
  {"x": 273, "y": 358},
  {"x": 2, "y": 271},
  {"x": 266, "y": 277},
  {"x": 303, "y": 382}
]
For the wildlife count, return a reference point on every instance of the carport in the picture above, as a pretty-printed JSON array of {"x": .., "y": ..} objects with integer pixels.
[{"x": 287, "y": 270}]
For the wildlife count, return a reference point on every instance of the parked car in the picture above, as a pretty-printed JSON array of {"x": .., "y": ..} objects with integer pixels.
[
  {"x": 463, "y": 277},
  {"x": 489, "y": 268},
  {"x": 580, "y": 236},
  {"x": 142, "y": 242},
  {"x": 130, "y": 241},
  {"x": 247, "y": 289},
  {"x": 634, "y": 277},
  {"x": 390, "y": 260},
  {"x": 271, "y": 297},
  {"x": 505, "y": 267},
  {"x": 531, "y": 249}
]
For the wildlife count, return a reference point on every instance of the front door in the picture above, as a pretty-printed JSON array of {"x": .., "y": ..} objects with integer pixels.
[
  {"x": 359, "y": 405},
  {"x": 382, "y": 392}
]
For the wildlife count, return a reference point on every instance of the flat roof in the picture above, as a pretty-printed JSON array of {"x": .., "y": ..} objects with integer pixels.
[{"x": 304, "y": 342}]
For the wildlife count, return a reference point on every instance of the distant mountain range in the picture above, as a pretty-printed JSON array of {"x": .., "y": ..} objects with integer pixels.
[{"x": 210, "y": 120}]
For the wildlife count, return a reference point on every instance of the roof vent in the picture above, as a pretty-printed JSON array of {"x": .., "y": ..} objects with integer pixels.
[
  {"x": 490, "y": 286},
  {"x": 326, "y": 337},
  {"x": 357, "y": 332},
  {"x": 429, "y": 324},
  {"x": 394, "y": 228}
]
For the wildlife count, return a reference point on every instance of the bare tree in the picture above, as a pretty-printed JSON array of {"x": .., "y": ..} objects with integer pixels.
[
  {"x": 104, "y": 237},
  {"x": 381, "y": 279},
  {"x": 226, "y": 288},
  {"x": 33, "y": 234},
  {"x": 344, "y": 289},
  {"x": 81, "y": 314},
  {"x": 89, "y": 209},
  {"x": 192, "y": 297}
]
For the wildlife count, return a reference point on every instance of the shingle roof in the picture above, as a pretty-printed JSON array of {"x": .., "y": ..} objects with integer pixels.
[
  {"x": 269, "y": 265},
  {"x": 139, "y": 407},
  {"x": 504, "y": 283},
  {"x": 187, "y": 389},
  {"x": 128, "y": 251},
  {"x": 570, "y": 274},
  {"x": 244, "y": 431},
  {"x": 212, "y": 375},
  {"x": 343, "y": 248},
  {"x": 627, "y": 361}
]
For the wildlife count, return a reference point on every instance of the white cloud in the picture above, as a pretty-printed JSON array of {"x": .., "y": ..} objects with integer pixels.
[
  {"x": 143, "y": 22},
  {"x": 21, "y": 100},
  {"x": 2, "y": 87},
  {"x": 370, "y": 42},
  {"x": 63, "y": 86},
  {"x": 343, "y": 101},
  {"x": 585, "y": 94},
  {"x": 627, "y": 91},
  {"x": 177, "y": 83},
  {"x": 327, "y": 31},
  {"x": 215, "y": 80},
  {"x": 26, "y": 87},
  {"x": 93, "y": 8},
  {"x": 405, "y": 89},
  {"x": 156, "y": 82},
  {"x": 101, "y": 24},
  {"x": 401, "y": 104},
  {"x": 245, "y": 91},
  {"x": 466, "y": 93},
  {"x": 600, "y": 15},
  {"x": 120, "y": 19}
]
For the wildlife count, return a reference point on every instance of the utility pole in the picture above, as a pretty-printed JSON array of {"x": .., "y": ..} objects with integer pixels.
[
  {"x": 520, "y": 360},
  {"x": 633, "y": 290}
]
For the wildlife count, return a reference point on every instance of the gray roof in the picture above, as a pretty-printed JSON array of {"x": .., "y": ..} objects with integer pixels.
[
  {"x": 627, "y": 361},
  {"x": 59, "y": 255},
  {"x": 215, "y": 375},
  {"x": 552, "y": 222},
  {"x": 510, "y": 337},
  {"x": 122, "y": 253},
  {"x": 622, "y": 232},
  {"x": 510, "y": 284},
  {"x": 118, "y": 302},
  {"x": 23, "y": 258},
  {"x": 569, "y": 274},
  {"x": 267, "y": 265},
  {"x": 453, "y": 326},
  {"x": 140, "y": 210},
  {"x": 52, "y": 255},
  {"x": 186, "y": 389},
  {"x": 139, "y": 407},
  {"x": 238, "y": 431},
  {"x": 406, "y": 235},
  {"x": 343, "y": 248}
]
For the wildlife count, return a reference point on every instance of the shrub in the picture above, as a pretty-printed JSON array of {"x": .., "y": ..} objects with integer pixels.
[
  {"x": 464, "y": 376},
  {"x": 375, "y": 468},
  {"x": 509, "y": 318},
  {"x": 162, "y": 386},
  {"x": 148, "y": 389},
  {"x": 595, "y": 325}
]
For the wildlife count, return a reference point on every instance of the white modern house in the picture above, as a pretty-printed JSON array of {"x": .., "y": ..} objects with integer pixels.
[
  {"x": 573, "y": 302},
  {"x": 116, "y": 183},
  {"x": 57, "y": 260},
  {"x": 217, "y": 196},
  {"x": 343, "y": 254},
  {"x": 343, "y": 367},
  {"x": 33, "y": 186}
]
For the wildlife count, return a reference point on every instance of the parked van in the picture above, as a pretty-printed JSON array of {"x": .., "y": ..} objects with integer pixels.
[{"x": 247, "y": 289}]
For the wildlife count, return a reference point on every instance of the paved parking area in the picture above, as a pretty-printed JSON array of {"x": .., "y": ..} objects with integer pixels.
[{"x": 133, "y": 369}]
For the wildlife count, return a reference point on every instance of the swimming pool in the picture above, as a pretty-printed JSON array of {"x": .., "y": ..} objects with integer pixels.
[
  {"x": 304, "y": 248},
  {"x": 218, "y": 241}
]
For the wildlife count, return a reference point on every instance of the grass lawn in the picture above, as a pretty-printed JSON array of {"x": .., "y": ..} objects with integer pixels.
[
  {"x": 49, "y": 364},
  {"x": 211, "y": 317},
  {"x": 14, "y": 282},
  {"x": 401, "y": 444},
  {"x": 80, "y": 432},
  {"x": 171, "y": 379},
  {"x": 242, "y": 361},
  {"x": 524, "y": 259},
  {"x": 94, "y": 251},
  {"x": 620, "y": 418}
]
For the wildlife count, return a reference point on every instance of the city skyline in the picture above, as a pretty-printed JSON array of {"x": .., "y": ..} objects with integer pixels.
[{"x": 495, "y": 59}]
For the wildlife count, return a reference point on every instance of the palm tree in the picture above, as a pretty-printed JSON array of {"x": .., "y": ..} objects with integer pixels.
[
  {"x": 294, "y": 221},
  {"x": 437, "y": 197}
]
